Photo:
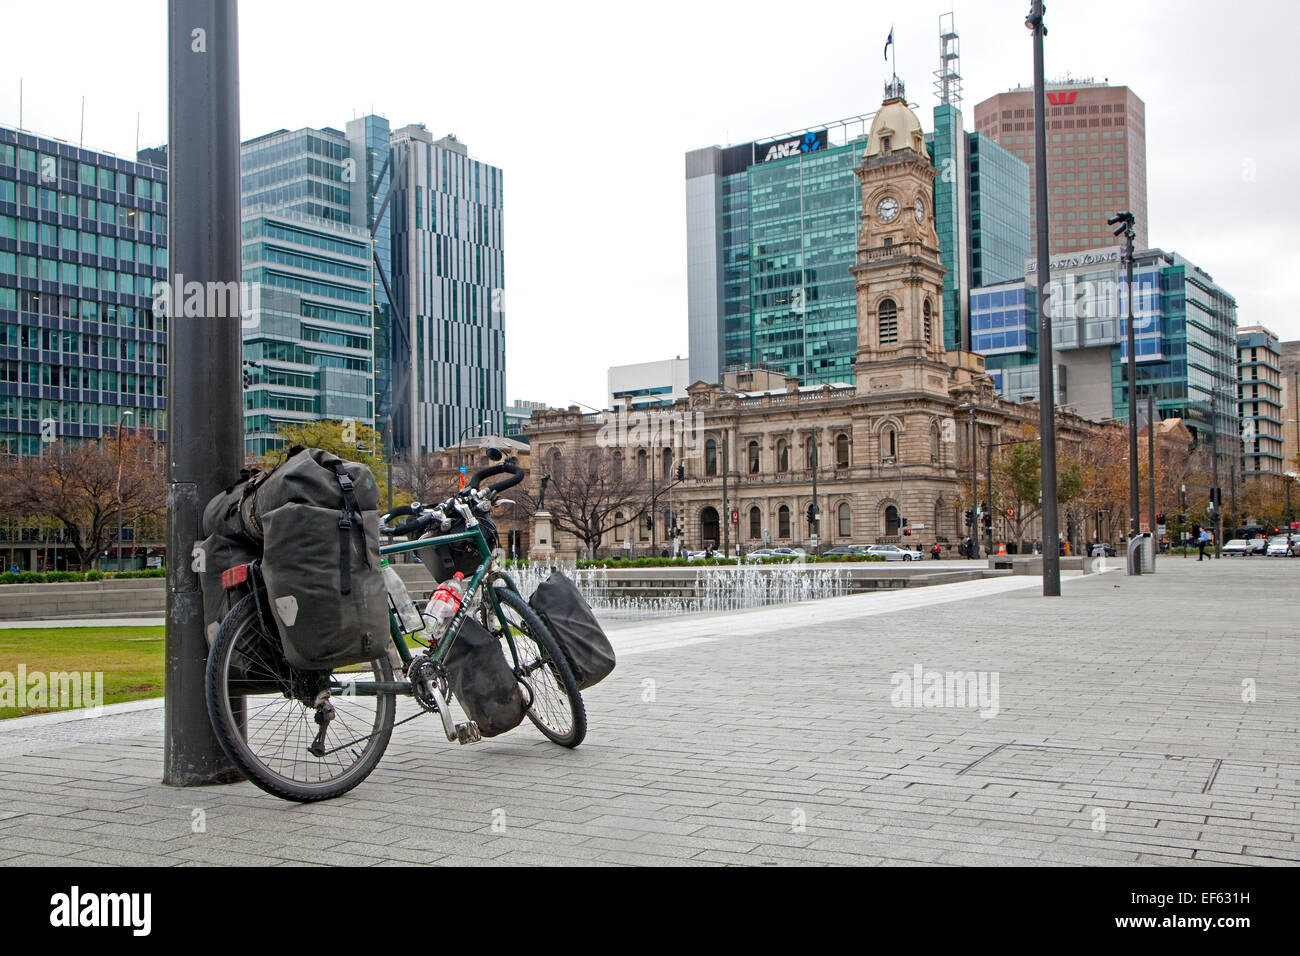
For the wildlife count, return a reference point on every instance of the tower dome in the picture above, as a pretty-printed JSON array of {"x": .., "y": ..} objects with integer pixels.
[{"x": 895, "y": 127}]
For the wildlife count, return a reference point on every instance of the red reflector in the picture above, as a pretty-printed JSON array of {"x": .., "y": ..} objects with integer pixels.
[{"x": 233, "y": 577}]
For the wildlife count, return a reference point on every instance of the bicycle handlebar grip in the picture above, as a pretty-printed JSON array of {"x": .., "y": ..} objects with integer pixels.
[
  {"x": 516, "y": 475},
  {"x": 412, "y": 529}
]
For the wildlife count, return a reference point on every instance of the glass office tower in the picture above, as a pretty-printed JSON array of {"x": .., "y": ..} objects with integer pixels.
[
  {"x": 309, "y": 322},
  {"x": 448, "y": 286},
  {"x": 83, "y": 240}
]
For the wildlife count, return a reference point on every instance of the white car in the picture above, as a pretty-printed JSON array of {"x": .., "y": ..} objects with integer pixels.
[
  {"x": 758, "y": 554},
  {"x": 892, "y": 552},
  {"x": 1236, "y": 546},
  {"x": 1283, "y": 546}
]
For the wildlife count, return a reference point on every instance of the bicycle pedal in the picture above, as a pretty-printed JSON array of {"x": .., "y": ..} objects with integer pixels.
[{"x": 467, "y": 733}]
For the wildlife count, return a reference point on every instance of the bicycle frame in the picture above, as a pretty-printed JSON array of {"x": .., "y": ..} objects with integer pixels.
[{"x": 483, "y": 572}]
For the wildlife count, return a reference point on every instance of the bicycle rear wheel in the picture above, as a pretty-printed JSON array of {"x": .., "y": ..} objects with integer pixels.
[
  {"x": 268, "y": 716},
  {"x": 556, "y": 709}
]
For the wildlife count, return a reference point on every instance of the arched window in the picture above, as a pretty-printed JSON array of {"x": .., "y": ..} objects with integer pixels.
[
  {"x": 710, "y": 527},
  {"x": 619, "y": 530},
  {"x": 810, "y": 452},
  {"x": 887, "y": 314},
  {"x": 667, "y": 457},
  {"x": 593, "y": 463},
  {"x": 618, "y": 463},
  {"x": 556, "y": 462},
  {"x": 783, "y": 522},
  {"x": 888, "y": 444},
  {"x": 891, "y": 520},
  {"x": 782, "y": 455},
  {"x": 753, "y": 458},
  {"x": 755, "y": 523},
  {"x": 642, "y": 467},
  {"x": 844, "y": 518},
  {"x": 926, "y": 313},
  {"x": 711, "y": 458},
  {"x": 842, "y": 450},
  {"x": 934, "y": 442}
]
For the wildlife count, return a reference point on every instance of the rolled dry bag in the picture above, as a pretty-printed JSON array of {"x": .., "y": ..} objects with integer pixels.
[
  {"x": 483, "y": 680},
  {"x": 561, "y": 605}
]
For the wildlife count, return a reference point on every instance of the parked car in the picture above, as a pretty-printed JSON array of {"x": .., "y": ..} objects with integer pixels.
[
  {"x": 892, "y": 552},
  {"x": 1284, "y": 546},
  {"x": 847, "y": 552},
  {"x": 1236, "y": 546},
  {"x": 759, "y": 554},
  {"x": 1103, "y": 551},
  {"x": 1257, "y": 545}
]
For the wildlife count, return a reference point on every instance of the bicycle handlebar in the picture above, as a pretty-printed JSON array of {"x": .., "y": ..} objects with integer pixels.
[{"x": 514, "y": 471}]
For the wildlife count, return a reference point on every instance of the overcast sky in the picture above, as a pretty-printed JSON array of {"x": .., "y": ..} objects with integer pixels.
[{"x": 589, "y": 107}]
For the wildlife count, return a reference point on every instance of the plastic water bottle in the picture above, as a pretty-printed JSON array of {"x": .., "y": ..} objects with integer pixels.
[
  {"x": 445, "y": 602},
  {"x": 408, "y": 615}
]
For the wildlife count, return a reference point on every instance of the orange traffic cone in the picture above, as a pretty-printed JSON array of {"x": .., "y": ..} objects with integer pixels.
[{"x": 1002, "y": 547}]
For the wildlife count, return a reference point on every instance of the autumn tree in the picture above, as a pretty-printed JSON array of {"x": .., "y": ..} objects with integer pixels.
[{"x": 76, "y": 484}]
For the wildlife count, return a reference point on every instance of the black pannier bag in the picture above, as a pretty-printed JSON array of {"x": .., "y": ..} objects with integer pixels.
[
  {"x": 561, "y": 605},
  {"x": 227, "y": 545},
  {"x": 482, "y": 680},
  {"x": 318, "y": 519},
  {"x": 445, "y": 560}
]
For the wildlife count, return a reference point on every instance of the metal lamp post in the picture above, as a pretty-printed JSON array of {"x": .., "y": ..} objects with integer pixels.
[
  {"x": 973, "y": 551},
  {"x": 1046, "y": 372},
  {"x": 124, "y": 415}
]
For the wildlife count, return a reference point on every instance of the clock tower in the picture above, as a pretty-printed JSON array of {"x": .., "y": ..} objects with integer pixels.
[{"x": 898, "y": 274}]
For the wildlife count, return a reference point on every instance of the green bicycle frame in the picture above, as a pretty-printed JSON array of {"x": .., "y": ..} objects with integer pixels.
[{"x": 481, "y": 573}]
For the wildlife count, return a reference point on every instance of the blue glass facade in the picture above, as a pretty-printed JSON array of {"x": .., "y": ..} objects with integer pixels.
[{"x": 83, "y": 240}]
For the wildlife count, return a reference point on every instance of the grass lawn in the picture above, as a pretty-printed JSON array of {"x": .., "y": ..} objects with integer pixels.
[{"x": 130, "y": 658}]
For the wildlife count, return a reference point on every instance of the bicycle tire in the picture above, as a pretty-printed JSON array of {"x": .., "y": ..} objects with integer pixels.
[
  {"x": 558, "y": 682},
  {"x": 263, "y": 673}
]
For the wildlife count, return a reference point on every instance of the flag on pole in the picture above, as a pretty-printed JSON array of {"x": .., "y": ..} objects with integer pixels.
[{"x": 889, "y": 41}]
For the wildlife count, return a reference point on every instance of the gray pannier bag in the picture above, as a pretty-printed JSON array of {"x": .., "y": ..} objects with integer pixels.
[
  {"x": 562, "y": 607},
  {"x": 317, "y": 519},
  {"x": 483, "y": 681}
]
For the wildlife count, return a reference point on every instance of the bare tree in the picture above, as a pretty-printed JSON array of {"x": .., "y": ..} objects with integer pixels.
[
  {"x": 76, "y": 484},
  {"x": 592, "y": 497}
]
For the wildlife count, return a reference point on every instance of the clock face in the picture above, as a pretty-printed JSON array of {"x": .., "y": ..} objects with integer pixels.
[
  {"x": 887, "y": 209},
  {"x": 919, "y": 208}
]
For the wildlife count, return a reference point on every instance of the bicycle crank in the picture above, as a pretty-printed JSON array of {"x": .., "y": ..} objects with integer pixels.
[{"x": 429, "y": 694}]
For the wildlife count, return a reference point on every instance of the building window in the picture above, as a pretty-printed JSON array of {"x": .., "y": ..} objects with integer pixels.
[
  {"x": 783, "y": 522},
  {"x": 755, "y": 523},
  {"x": 926, "y": 314},
  {"x": 845, "y": 520},
  {"x": 887, "y": 314},
  {"x": 888, "y": 444},
  {"x": 711, "y": 458},
  {"x": 842, "y": 450},
  {"x": 934, "y": 443},
  {"x": 753, "y": 458},
  {"x": 641, "y": 464},
  {"x": 782, "y": 455},
  {"x": 668, "y": 464}
]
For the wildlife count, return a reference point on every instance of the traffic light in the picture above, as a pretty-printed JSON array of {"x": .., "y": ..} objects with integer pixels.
[
  {"x": 970, "y": 518},
  {"x": 988, "y": 522},
  {"x": 649, "y": 522},
  {"x": 681, "y": 471},
  {"x": 812, "y": 514}
]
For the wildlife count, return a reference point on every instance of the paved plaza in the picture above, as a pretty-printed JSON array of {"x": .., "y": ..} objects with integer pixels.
[{"x": 1139, "y": 721}]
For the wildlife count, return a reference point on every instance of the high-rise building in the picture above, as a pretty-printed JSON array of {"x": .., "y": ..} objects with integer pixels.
[
  {"x": 1096, "y": 158},
  {"x": 309, "y": 329},
  {"x": 981, "y": 199},
  {"x": 83, "y": 240},
  {"x": 1185, "y": 332},
  {"x": 1259, "y": 397},
  {"x": 448, "y": 290}
]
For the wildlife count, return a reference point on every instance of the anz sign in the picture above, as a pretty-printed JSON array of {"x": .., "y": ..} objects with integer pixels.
[{"x": 807, "y": 143}]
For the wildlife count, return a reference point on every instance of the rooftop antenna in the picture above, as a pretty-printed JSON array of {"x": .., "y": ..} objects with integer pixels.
[{"x": 947, "y": 79}]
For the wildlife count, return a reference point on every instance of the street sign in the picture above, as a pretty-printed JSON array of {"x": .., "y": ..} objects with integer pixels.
[
  {"x": 812, "y": 539},
  {"x": 1160, "y": 530}
]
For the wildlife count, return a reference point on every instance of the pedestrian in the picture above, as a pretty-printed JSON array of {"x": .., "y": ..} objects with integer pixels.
[
  {"x": 664, "y": 552},
  {"x": 1202, "y": 540},
  {"x": 936, "y": 551}
]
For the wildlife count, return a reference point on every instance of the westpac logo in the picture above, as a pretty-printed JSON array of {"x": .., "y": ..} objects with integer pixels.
[
  {"x": 808, "y": 143},
  {"x": 1062, "y": 99}
]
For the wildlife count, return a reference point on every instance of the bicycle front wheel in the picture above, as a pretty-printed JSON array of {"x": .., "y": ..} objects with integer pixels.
[
  {"x": 300, "y": 735},
  {"x": 557, "y": 709}
]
